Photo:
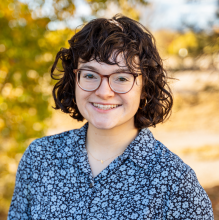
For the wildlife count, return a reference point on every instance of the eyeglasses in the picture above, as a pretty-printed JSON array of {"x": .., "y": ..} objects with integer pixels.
[{"x": 89, "y": 80}]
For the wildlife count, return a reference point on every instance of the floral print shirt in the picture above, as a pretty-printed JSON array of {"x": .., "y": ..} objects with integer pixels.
[{"x": 148, "y": 181}]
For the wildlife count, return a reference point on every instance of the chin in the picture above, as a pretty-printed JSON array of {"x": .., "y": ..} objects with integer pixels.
[{"x": 103, "y": 125}]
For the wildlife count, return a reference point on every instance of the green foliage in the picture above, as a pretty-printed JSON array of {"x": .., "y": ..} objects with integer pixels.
[
  {"x": 189, "y": 50},
  {"x": 27, "y": 51},
  {"x": 127, "y": 7},
  {"x": 187, "y": 40},
  {"x": 195, "y": 43}
]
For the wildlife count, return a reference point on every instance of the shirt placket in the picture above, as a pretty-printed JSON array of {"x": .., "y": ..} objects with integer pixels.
[
  {"x": 103, "y": 178},
  {"x": 87, "y": 195}
]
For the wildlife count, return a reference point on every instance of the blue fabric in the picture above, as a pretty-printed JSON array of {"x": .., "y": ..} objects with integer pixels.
[{"x": 147, "y": 181}]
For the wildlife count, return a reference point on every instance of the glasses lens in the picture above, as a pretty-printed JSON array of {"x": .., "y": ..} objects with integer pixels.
[
  {"x": 88, "y": 80},
  {"x": 121, "y": 82}
]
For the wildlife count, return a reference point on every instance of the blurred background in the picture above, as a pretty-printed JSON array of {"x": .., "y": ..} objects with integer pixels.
[{"x": 187, "y": 34}]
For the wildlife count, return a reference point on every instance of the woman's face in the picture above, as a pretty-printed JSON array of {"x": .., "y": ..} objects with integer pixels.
[{"x": 108, "y": 118}]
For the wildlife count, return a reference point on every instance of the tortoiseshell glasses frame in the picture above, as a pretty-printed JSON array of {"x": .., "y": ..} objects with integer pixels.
[{"x": 135, "y": 75}]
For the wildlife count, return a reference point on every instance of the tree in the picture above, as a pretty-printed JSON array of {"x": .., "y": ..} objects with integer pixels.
[{"x": 27, "y": 50}]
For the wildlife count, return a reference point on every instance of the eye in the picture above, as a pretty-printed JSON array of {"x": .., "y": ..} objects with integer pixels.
[
  {"x": 89, "y": 76},
  {"x": 122, "y": 78}
]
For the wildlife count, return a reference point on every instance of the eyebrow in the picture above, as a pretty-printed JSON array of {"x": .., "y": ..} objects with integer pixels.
[{"x": 119, "y": 70}]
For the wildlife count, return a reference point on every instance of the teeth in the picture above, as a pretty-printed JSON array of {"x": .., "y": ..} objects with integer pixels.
[{"x": 104, "y": 107}]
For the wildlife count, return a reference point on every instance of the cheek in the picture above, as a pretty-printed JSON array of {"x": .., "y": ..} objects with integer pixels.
[
  {"x": 82, "y": 98},
  {"x": 136, "y": 96},
  {"x": 137, "y": 89},
  {"x": 79, "y": 94},
  {"x": 78, "y": 90},
  {"x": 132, "y": 100}
]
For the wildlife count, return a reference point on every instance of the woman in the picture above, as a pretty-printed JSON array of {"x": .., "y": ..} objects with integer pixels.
[{"x": 111, "y": 168}]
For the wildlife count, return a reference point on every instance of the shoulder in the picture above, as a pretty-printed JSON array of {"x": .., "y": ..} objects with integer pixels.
[
  {"x": 168, "y": 161},
  {"x": 185, "y": 193},
  {"x": 50, "y": 147},
  {"x": 173, "y": 171},
  {"x": 56, "y": 141}
]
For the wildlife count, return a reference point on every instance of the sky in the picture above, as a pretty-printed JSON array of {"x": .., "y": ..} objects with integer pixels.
[
  {"x": 159, "y": 14},
  {"x": 165, "y": 14},
  {"x": 172, "y": 14}
]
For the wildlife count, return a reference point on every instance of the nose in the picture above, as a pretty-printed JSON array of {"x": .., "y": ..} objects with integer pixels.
[{"x": 104, "y": 91}]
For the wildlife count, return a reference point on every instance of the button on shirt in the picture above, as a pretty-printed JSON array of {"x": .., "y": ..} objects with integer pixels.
[{"x": 148, "y": 181}]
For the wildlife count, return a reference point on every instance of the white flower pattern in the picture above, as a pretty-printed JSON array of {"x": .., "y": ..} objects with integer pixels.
[{"x": 148, "y": 181}]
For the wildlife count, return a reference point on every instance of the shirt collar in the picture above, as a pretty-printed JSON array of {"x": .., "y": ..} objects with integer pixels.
[
  {"x": 71, "y": 149},
  {"x": 141, "y": 150}
]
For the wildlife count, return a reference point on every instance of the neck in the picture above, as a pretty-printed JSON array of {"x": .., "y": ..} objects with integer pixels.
[{"x": 104, "y": 143}]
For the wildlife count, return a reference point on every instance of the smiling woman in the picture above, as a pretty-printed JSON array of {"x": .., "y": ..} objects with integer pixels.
[
  {"x": 119, "y": 89},
  {"x": 112, "y": 167}
]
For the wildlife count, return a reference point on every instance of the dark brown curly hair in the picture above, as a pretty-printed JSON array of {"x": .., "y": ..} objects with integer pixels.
[{"x": 99, "y": 40}]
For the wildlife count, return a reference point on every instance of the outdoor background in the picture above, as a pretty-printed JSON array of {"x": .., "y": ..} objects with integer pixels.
[{"x": 187, "y": 34}]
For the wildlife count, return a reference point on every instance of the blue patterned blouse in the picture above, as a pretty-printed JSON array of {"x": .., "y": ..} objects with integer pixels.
[{"x": 148, "y": 181}]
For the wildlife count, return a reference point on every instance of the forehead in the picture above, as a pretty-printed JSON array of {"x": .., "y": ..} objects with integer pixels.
[{"x": 118, "y": 60}]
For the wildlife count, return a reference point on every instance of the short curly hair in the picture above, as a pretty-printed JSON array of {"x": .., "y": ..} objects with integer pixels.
[{"x": 99, "y": 40}]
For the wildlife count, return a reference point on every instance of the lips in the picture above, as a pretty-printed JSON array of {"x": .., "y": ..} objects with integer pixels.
[{"x": 104, "y": 107}]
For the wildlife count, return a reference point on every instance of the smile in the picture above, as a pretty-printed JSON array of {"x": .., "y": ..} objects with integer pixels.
[{"x": 105, "y": 107}]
